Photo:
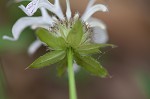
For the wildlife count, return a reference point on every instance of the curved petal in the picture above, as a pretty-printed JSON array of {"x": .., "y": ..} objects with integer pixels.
[
  {"x": 76, "y": 68},
  {"x": 34, "y": 47},
  {"x": 99, "y": 30},
  {"x": 31, "y": 8},
  {"x": 90, "y": 4},
  {"x": 68, "y": 11},
  {"x": 99, "y": 35},
  {"x": 87, "y": 14},
  {"x": 40, "y": 26},
  {"x": 58, "y": 9},
  {"x": 94, "y": 22},
  {"x": 55, "y": 19},
  {"x": 24, "y": 22},
  {"x": 46, "y": 16}
]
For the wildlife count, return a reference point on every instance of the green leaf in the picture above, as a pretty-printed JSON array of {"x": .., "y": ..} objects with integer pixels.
[
  {"x": 106, "y": 45},
  {"x": 56, "y": 43},
  {"x": 91, "y": 65},
  {"x": 91, "y": 48},
  {"x": 62, "y": 66},
  {"x": 48, "y": 59},
  {"x": 75, "y": 34},
  {"x": 88, "y": 49}
]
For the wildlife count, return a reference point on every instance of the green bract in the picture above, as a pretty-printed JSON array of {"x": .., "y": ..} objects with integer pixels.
[
  {"x": 48, "y": 59},
  {"x": 91, "y": 65},
  {"x": 76, "y": 36},
  {"x": 55, "y": 43}
]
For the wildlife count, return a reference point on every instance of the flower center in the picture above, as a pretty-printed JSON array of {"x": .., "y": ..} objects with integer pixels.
[{"x": 61, "y": 28}]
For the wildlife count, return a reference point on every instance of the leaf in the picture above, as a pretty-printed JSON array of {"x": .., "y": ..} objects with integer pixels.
[
  {"x": 56, "y": 43},
  {"x": 48, "y": 59},
  {"x": 91, "y": 48},
  {"x": 106, "y": 45},
  {"x": 76, "y": 33},
  {"x": 88, "y": 49},
  {"x": 91, "y": 65},
  {"x": 62, "y": 66}
]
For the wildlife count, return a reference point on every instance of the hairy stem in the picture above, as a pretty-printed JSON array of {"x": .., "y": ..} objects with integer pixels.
[{"x": 72, "y": 86}]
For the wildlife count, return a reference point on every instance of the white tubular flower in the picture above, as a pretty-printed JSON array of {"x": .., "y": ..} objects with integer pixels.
[
  {"x": 99, "y": 29},
  {"x": 68, "y": 11},
  {"x": 34, "y": 46},
  {"x": 24, "y": 22},
  {"x": 47, "y": 21},
  {"x": 76, "y": 68},
  {"x": 32, "y": 7}
]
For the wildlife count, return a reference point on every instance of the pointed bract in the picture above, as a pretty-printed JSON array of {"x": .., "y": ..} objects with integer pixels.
[
  {"x": 55, "y": 43},
  {"x": 91, "y": 65},
  {"x": 75, "y": 35},
  {"x": 48, "y": 59}
]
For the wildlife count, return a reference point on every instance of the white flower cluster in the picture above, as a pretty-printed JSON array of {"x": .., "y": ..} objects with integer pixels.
[{"x": 46, "y": 20}]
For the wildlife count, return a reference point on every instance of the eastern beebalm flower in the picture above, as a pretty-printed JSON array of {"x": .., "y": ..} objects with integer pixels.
[
  {"x": 46, "y": 21},
  {"x": 79, "y": 35}
]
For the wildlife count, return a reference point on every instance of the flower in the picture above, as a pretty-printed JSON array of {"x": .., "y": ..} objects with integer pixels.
[{"x": 46, "y": 20}]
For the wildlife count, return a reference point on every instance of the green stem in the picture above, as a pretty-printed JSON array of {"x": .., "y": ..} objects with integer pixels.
[{"x": 72, "y": 87}]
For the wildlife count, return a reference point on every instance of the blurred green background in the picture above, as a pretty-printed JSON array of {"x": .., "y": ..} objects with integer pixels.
[{"x": 128, "y": 25}]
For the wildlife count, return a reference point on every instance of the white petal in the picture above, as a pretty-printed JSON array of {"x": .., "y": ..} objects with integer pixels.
[
  {"x": 46, "y": 16},
  {"x": 31, "y": 8},
  {"x": 57, "y": 5},
  {"x": 46, "y": 4},
  {"x": 90, "y": 4},
  {"x": 41, "y": 26},
  {"x": 87, "y": 14},
  {"x": 24, "y": 10},
  {"x": 34, "y": 47},
  {"x": 100, "y": 35},
  {"x": 94, "y": 22},
  {"x": 99, "y": 29},
  {"x": 58, "y": 12},
  {"x": 68, "y": 12},
  {"x": 22, "y": 23},
  {"x": 76, "y": 68},
  {"x": 55, "y": 19},
  {"x": 56, "y": 9}
]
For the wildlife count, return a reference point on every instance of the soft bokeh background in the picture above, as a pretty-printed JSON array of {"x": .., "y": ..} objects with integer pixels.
[{"x": 128, "y": 23}]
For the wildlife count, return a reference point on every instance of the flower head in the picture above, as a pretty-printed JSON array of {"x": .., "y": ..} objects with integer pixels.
[
  {"x": 83, "y": 35},
  {"x": 46, "y": 20}
]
